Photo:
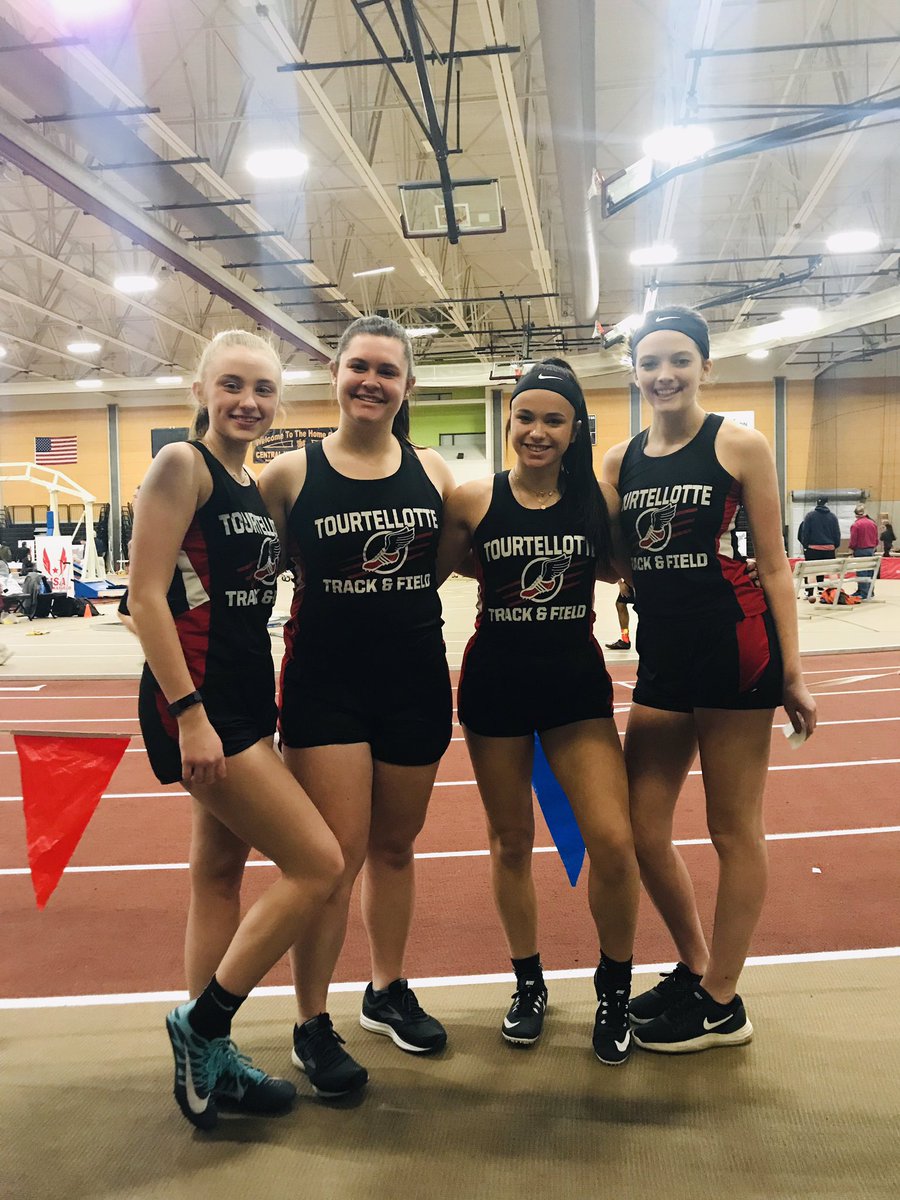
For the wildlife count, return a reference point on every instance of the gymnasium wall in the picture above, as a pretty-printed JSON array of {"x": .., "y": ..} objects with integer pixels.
[{"x": 840, "y": 432}]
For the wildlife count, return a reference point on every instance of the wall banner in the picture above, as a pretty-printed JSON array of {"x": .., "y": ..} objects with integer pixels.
[{"x": 278, "y": 441}]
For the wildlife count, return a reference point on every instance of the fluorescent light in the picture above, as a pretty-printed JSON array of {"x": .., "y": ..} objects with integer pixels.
[
  {"x": 653, "y": 256},
  {"x": 89, "y": 384},
  {"x": 678, "y": 143},
  {"x": 852, "y": 241},
  {"x": 295, "y": 376},
  {"x": 2, "y": 352},
  {"x": 280, "y": 162},
  {"x": 757, "y": 354},
  {"x": 83, "y": 347},
  {"x": 134, "y": 285},
  {"x": 169, "y": 380},
  {"x": 422, "y": 330},
  {"x": 800, "y": 319},
  {"x": 373, "y": 271}
]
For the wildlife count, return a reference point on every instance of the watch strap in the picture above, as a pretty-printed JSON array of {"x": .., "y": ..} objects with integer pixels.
[{"x": 177, "y": 707}]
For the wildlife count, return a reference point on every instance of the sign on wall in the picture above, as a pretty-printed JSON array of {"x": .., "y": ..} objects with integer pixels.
[{"x": 279, "y": 441}]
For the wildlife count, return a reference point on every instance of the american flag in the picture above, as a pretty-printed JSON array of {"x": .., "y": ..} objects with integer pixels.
[{"x": 51, "y": 451}]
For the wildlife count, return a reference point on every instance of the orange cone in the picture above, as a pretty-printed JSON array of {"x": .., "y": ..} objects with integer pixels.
[{"x": 87, "y": 609}]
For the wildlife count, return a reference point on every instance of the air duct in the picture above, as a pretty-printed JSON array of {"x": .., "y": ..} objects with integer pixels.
[{"x": 568, "y": 46}]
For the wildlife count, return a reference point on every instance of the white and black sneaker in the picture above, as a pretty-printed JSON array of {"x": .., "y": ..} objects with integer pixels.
[
  {"x": 319, "y": 1051},
  {"x": 672, "y": 987},
  {"x": 612, "y": 1040},
  {"x": 524, "y": 1022},
  {"x": 696, "y": 1022},
  {"x": 397, "y": 1014}
]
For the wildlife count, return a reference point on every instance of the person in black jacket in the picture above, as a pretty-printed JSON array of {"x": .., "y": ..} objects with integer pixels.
[{"x": 819, "y": 535}]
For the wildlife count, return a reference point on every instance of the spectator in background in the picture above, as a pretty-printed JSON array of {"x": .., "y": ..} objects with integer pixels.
[
  {"x": 819, "y": 535},
  {"x": 863, "y": 544},
  {"x": 886, "y": 536}
]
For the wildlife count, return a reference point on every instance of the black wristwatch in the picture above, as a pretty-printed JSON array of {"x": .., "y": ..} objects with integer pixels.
[{"x": 177, "y": 707}]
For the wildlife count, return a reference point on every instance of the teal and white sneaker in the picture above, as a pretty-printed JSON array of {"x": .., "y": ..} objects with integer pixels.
[
  {"x": 245, "y": 1088},
  {"x": 209, "y": 1070}
]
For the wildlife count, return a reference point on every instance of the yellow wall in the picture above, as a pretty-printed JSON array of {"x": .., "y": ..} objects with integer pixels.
[
  {"x": 855, "y": 436},
  {"x": 840, "y": 433},
  {"x": 18, "y": 431}
]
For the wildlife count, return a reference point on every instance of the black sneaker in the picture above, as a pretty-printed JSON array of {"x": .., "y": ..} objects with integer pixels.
[
  {"x": 621, "y": 644},
  {"x": 696, "y": 1022},
  {"x": 612, "y": 1038},
  {"x": 318, "y": 1051},
  {"x": 523, "y": 1023},
  {"x": 397, "y": 1013},
  {"x": 672, "y": 986}
]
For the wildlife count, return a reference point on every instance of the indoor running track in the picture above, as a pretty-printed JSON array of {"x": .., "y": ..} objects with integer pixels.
[{"x": 115, "y": 923}]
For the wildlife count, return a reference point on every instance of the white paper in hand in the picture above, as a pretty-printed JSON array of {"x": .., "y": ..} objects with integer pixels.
[{"x": 794, "y": 739}]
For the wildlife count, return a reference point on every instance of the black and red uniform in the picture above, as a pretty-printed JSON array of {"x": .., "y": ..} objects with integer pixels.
[
  {"x": 364, "y": 654},
  {"x": 532, "y": 663},
  {"x": 706, "y": 638},
  {"x": 221, "y": 598}
]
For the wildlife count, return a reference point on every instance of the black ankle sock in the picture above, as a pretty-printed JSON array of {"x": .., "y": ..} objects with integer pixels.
[
  {"x": 212, "y": 1013},
  {"x": 615, "y": 971},
  {"x": 528, "y": 970}
]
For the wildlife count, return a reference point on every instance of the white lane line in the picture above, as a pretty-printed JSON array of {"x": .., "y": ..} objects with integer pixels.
[
  {"x": 112, "y": 868},
  {"x": 860, "y": 692},
  {"x": 68, "y": 720},
  {"x": 36, "y": 688},
  {"x": 130, "y": 750},
  {"x": 60, "y": 699},
  {"x": 174, "y": 997},
  {"x": 446, "y": 783}
]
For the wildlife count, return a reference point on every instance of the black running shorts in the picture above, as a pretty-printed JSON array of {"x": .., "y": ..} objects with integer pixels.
[
  {"x": 397, "y": 702},
  {"x": 502, "y": 696},
  {"x": 702, "y": 663},
  {"x": 240, "y": 721}
]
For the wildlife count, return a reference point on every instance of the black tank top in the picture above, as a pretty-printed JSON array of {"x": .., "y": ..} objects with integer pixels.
[
  {"x": 678, "y": 519},
  {"x": 535, "y": 577},
  {"x": 223, "y": 588},
  {"x": 364, "y": 553}
]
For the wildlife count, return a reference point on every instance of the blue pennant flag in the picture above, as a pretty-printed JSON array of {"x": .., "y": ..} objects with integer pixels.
[{"x": 557, "y": 813}]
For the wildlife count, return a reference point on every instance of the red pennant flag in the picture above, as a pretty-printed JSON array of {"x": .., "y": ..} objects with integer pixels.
[{"x": 63, "y": 777}]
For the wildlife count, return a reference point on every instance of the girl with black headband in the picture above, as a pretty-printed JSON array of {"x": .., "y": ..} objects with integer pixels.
[
  {"x": 716, "y": 657},
  {"x": 541, "y": 535}
]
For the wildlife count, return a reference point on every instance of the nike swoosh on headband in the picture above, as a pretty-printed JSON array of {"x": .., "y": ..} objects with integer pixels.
[
  {"x": 658, "y": 319},
  {"x": 548, "y": 377}
]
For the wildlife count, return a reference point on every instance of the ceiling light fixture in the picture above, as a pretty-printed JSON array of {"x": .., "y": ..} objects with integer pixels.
[
  {"x": 169, "y": 380},
  {"x": 135, "y": 285},
  {"x": 800, "y": 319},
  {"x": 293, "y": 376},
  {"x": 678, "y": 144},
  {"x": 373, "y": 271},
  {"x": 757, "y": 354},
  {"x": 653, "y": 256},
  {"x": 416, "y": 331},
  {"x": 83, "y": 347},
  {"x": 277, "y": 163},
  {"x": 2, "y": 352},
  {"x": 89, "y": 384},
  {"x": 852, "y": 241}
]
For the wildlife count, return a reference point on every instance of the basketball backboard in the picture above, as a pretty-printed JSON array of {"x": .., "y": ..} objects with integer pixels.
[{"x": 476, "y": 204}]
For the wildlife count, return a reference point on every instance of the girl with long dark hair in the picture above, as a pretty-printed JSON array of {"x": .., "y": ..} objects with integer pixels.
[{"x": 541, "y": 535}]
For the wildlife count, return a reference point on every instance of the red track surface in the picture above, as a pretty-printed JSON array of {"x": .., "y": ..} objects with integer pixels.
[{"x": 121, "y": 931}]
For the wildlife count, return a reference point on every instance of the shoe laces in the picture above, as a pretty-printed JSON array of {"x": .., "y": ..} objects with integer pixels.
[
  {"x": 529, "y": 996},
  {"x": 612, "y": 1009},
  {"x": 325, "y": 1044},
  {"x": 223, "y": 1064},
  {"x": 410, "y": 1006}
]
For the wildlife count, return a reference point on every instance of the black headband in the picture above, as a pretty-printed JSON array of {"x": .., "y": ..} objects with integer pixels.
[
  {"x": 687, "y": 323},
  {"x": 545, "y": 378}
]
